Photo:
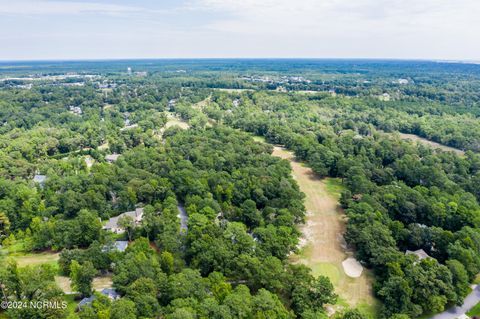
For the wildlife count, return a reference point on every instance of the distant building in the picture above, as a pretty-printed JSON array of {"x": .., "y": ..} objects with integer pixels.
[
  {"x": 113, "y": 226},
  {"x": 112, "y": 158},
  {"x": 40, "y": 180},
  {"x": 403, "y": 81},
  {"x": 171, "y": 104},
  {"x": 129, "y": 71},
  {"x": 420, "y": 253},
  {"x": 119, "y": 245}
]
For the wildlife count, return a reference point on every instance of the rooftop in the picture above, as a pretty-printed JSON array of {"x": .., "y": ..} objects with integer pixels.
[{"x": 420, "y": 253}]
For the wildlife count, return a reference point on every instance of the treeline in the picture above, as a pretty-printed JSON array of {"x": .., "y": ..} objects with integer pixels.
[{"x": 243, "y": 207}]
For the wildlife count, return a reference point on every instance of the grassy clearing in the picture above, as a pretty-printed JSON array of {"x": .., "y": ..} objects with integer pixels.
[
  {"x": 102, "y": 282},
  {"x": 435, "y": 145},
  {"x": 175, "y": 121},
  {"x": 259, "y": 139},
  {"x": 36, "y": 259},
  {"x": 18, "y": 252},
  {"x": 234, "y": 90},
  {"x": 475, "y": 311},
  {"x": 334, "y": 187},
  {"x": 17, "y": 247},
  {"x": 71, "y": 304},
  {"x": 329, "y": 270},
  {"x": 98, "y": 283},
  {"x": 323, "y": 231},
  {"x": 64, "y": 283}
]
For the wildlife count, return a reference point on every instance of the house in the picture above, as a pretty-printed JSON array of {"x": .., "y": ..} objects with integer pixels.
[
  {"x": 112, "y": 157},
  {"x": 85, "y": 302},
  {"x": 40, "y": 180},
  {"x": 420, "y": 253},
  {"x": 119, "y": 245},
  {"x": 111, "y": 293},
  {"x": 171, "y": 104},
  {"x": 113, "y": 226}
]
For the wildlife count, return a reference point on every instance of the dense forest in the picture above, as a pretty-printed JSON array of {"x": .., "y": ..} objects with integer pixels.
[{"x": 83, "y": 143}]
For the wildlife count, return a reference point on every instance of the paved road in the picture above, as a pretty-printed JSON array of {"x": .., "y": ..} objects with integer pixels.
[
  {"x": 472, "y": 299},
  {"x": 182, "y": 214}
]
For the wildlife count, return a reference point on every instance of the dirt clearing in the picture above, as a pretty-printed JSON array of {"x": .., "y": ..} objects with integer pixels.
[{"x": 324, "y": 247}]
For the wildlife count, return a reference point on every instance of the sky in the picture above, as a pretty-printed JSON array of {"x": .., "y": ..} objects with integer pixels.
[{"x": 117, "y": 29}]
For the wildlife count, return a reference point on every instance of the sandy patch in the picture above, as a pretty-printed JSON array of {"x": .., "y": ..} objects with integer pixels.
[{"x": 352, "y": 267}]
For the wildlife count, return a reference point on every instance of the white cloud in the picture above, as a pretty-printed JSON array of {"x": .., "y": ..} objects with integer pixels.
[
  {"x": 332, "y": 15},
  {"x": 42, "y": 7}
]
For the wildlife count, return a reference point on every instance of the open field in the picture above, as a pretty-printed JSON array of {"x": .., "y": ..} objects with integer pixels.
[
  {"x": 36, "y": 259},
  {"x": 234, "y": 90},
  {"x": 98, "y": 283},
  {"x": 176, "y": 121},
  {"x": 200, "y": 105},
  {"x": 17, "y": 252},
  {"x": 416, "y": 138},
  {"x": 325, "y": 249}
]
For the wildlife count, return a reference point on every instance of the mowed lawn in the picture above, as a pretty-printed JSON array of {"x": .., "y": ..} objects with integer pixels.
[
  {"x": 174, "y": 120},
  {"x": 325, "y": 248},
  {"x": 17, "y": 252}
]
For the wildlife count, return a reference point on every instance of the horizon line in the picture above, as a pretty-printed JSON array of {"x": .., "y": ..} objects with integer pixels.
[{"x": 466, "y": 61}]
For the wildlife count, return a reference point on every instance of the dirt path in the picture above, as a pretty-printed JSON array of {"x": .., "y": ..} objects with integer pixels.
[{"x": 325, "y": 248}]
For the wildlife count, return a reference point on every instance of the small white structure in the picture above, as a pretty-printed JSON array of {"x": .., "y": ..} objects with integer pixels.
[
  {"x": 112, "y": 157},
  {"x": 77, "y": 110},
  {"x": 89, "y": 161},
  {"x": 119, "y": 245},
  {"x": 40, "y": 180},
  {"x": 420, "y": 253},
  {"x": 403, "y": 81},
  {"x": 129, "y": 127},
  {"x": 352, "y": 267},
  {"x": 113, "y": 226},
  {"x": 171, "y": 104}
]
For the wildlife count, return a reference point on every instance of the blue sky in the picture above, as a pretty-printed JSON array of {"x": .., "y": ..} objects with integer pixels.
[{"x": 104, "y": 29}]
